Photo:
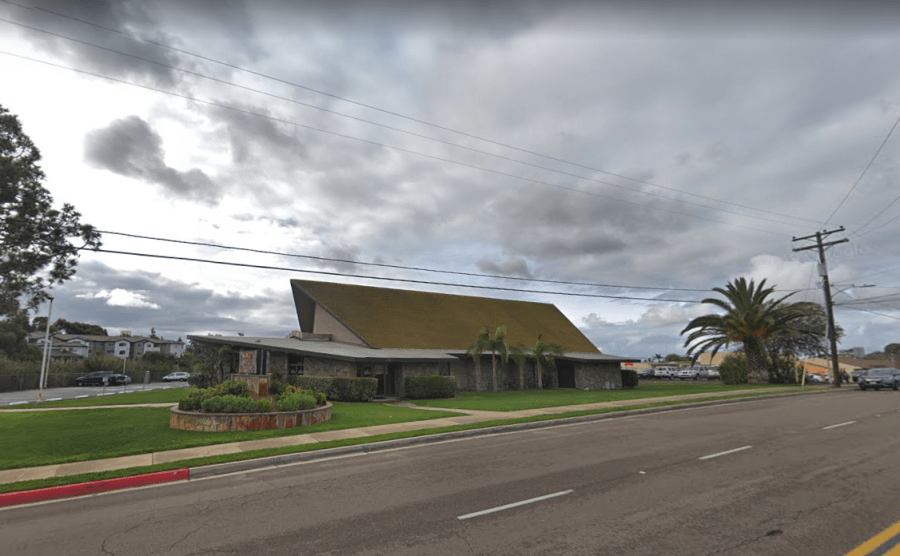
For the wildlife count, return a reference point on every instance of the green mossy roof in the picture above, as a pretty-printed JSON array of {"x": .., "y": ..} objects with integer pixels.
[{"x": 389, "y": 318}]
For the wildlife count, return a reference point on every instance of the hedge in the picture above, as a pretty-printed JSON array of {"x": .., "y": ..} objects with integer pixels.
[
  {"x": 629, "y": 378},
  {"x": 433, "y": 386},
  {"x": 229, "y": 404},
  {"x": 339, "y": 389},
  {"x": 296, "y": 402}
]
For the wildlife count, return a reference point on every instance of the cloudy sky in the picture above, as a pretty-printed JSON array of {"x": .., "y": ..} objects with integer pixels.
[{"x": 634, "y": 157}]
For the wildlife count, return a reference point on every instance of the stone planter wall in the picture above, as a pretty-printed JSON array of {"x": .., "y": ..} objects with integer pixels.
[{"x": 227, "y": 422}]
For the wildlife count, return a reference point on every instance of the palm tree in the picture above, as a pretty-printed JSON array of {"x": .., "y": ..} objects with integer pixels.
[
  {"x": 496, "y": 345},
  {"x": 543, "y": 357},
  {"x": 750, "y": 319}
]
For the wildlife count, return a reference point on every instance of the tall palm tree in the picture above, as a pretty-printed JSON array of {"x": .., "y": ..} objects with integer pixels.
[
  {"x": 495, "y": 344},
  {"x": 749, "y": 318},
  {"x": 543, "y": 357}
]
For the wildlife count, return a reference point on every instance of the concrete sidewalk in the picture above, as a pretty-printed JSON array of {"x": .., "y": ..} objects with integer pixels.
[{"x": 466, "y": 417}]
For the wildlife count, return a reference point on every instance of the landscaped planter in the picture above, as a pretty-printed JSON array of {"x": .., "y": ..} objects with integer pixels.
[{"x": 226, "y": 422}]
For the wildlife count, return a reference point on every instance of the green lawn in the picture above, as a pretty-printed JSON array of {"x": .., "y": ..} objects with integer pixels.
[
  {"x": 535, "y": 399},
  {"x": 37, "y": 438}
]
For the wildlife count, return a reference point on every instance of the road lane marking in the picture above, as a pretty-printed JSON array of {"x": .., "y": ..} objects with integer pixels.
[
  {"x": 726, "y": 453},
  {"x": 54, "y": 399},
  {"x": 515, "y": 505},
  {"x": 881, "y": 544},
  {"x": 838, "y": 425},
  {"x": 82, "y": 396}
]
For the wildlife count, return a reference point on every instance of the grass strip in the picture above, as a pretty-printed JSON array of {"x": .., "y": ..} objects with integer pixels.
[{"x": 255, "y": 454}]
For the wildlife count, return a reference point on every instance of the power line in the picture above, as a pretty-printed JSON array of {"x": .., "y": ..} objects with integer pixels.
[
  {"x": 414, "y": 134},
  {"x": 384, "y": 278},
  {"x": 396, "y": 114},
  {"x": 392, "y": 147},
  {"x": 866, "y": 169},
  {"x": 874, "y": 313},
  {"x": 400, "y": 267}
]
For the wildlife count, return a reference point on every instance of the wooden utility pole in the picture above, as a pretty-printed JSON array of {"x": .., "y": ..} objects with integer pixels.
[{"x": 829, "y": 304}]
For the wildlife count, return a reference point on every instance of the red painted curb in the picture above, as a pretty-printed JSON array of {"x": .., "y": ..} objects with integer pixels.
[{"x": 80, "y": 489}]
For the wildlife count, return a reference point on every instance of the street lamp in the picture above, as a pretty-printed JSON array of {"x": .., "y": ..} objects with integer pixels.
[{"x": 46, "y": 358}]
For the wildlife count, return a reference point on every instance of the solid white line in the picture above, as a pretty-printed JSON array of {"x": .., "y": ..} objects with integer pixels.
[
  {"x": 17, "y": 403},
  {"x": 515, "y": 504},
  {"x": 728, "y": 452},
  {"x": 82, "y": 396},
  {"x": 838, "y": 425},
  {"x": 54, "y": 399}
]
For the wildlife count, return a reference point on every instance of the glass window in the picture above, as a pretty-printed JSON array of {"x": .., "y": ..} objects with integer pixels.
[{"x": 295, "y": 364}]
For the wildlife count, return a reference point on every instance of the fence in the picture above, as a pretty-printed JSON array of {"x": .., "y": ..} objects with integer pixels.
[{"x": 13, "y": 382}]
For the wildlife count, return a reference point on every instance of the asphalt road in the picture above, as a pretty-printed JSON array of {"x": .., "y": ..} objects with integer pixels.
[
  {"x": 811, "y": 475},
  {"x": 8, "y": 399}
]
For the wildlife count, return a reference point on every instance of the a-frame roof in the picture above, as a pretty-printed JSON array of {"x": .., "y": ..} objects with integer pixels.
[{"x": 406, "y": 319}]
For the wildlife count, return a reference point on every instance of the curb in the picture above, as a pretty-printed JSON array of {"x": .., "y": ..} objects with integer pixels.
[{"x": 93, "y": 487}]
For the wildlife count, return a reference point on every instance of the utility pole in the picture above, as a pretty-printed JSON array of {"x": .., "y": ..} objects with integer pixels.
[{"x": 829, "y": 304}]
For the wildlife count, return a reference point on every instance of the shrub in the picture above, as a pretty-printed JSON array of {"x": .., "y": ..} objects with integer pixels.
[
  {"x": 321, "y": 398},
  {"x": 276, "y": 388},
  {"x": 339, "y": 389},
  {"x": 192, "y": 402},
  {"x": 629, "y": 379},
  {"x": 733, "y": 370},
  {"x": 233, "y": 388},
  {"x": 105, "y": 363},
  {"x": 229, "y": 404},
  {"x": 264, "y": 405},
  {"x": 433, "y": 386},
  {"x": 296, "y": 401}
]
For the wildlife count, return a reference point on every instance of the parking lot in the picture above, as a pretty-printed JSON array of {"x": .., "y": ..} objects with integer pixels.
[{"x": 72, "y": 392}]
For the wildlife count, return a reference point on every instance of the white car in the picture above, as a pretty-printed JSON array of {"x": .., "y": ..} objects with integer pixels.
[
  {"x": 173, "y": 377},
  {"x": 665, "y": 372},
  {"x": 692, "y": 373}
]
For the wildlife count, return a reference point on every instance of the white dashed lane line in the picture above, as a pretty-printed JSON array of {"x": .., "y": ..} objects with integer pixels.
[
  {"x": 514, "y": 505},
  {"x": 727, "y": 452},
  {"x": 838, "y": 425}
]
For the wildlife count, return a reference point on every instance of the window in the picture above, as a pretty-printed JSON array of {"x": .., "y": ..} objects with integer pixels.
[
  {"x": 295, "y": 364},
  {"x": 364, "y": 371}
]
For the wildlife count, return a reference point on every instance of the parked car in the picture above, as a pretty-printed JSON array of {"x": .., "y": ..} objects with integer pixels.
[
  {"x": 645, "y": 373},
  {"x": 880, "y": 377},
  {"x": 712, "y": 373},
  {"x": 813, "y": 378},
  {"x": 857, "y": 374},
  {"x": 179, "y": 376},
  {"x": 99, "y": 378},
  {"x": 665, "y": 372},
  {"x": 692, "y": 372}
]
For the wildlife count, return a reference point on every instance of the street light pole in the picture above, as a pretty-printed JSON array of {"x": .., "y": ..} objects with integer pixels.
[{"x": 46, "y": 357}]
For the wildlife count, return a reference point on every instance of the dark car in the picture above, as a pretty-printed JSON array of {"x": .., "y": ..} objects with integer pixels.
[
  {"x": 881, "y": 377},
  {"x": 100, "y": 378},
  {"x": 645, "y": 373}
]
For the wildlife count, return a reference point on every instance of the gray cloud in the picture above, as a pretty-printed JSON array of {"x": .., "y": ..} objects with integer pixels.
[
  {"x": 130, "y": 147},
  {"x": 513, "y": 266}
]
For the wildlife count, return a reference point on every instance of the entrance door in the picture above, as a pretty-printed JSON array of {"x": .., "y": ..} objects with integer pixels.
[
  {"x": 565, "y": 370},
  {"x": 390, "y": 379}
]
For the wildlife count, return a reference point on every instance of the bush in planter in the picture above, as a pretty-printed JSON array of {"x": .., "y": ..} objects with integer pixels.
[
  {"x": 264, "y": 405},
  {"x": 296, "y": 401},
  {"x": 229, "y": 404},
  {"x": 629, "y": 379},
  {"x": 433, "y": 386},
  {"x": 192, "y": 402}
]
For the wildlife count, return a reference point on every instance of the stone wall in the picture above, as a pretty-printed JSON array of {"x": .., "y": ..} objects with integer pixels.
[
  {"x": 228, "y": 422},
  {"x": 598, "y": 376},
  {"x": 317, "y": 366}
]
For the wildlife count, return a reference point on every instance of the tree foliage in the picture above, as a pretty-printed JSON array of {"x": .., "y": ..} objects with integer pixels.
[
  {"x": 808, "y": 337},
  {"x": 35, "y": 247},
  {"x": 750, "y": 318},
  {"x": 544, "y": 357},
  {"x": 495, "y": 344},
  {"x": 14, "y": 339},
  {"x": 63, "y": 326}
]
